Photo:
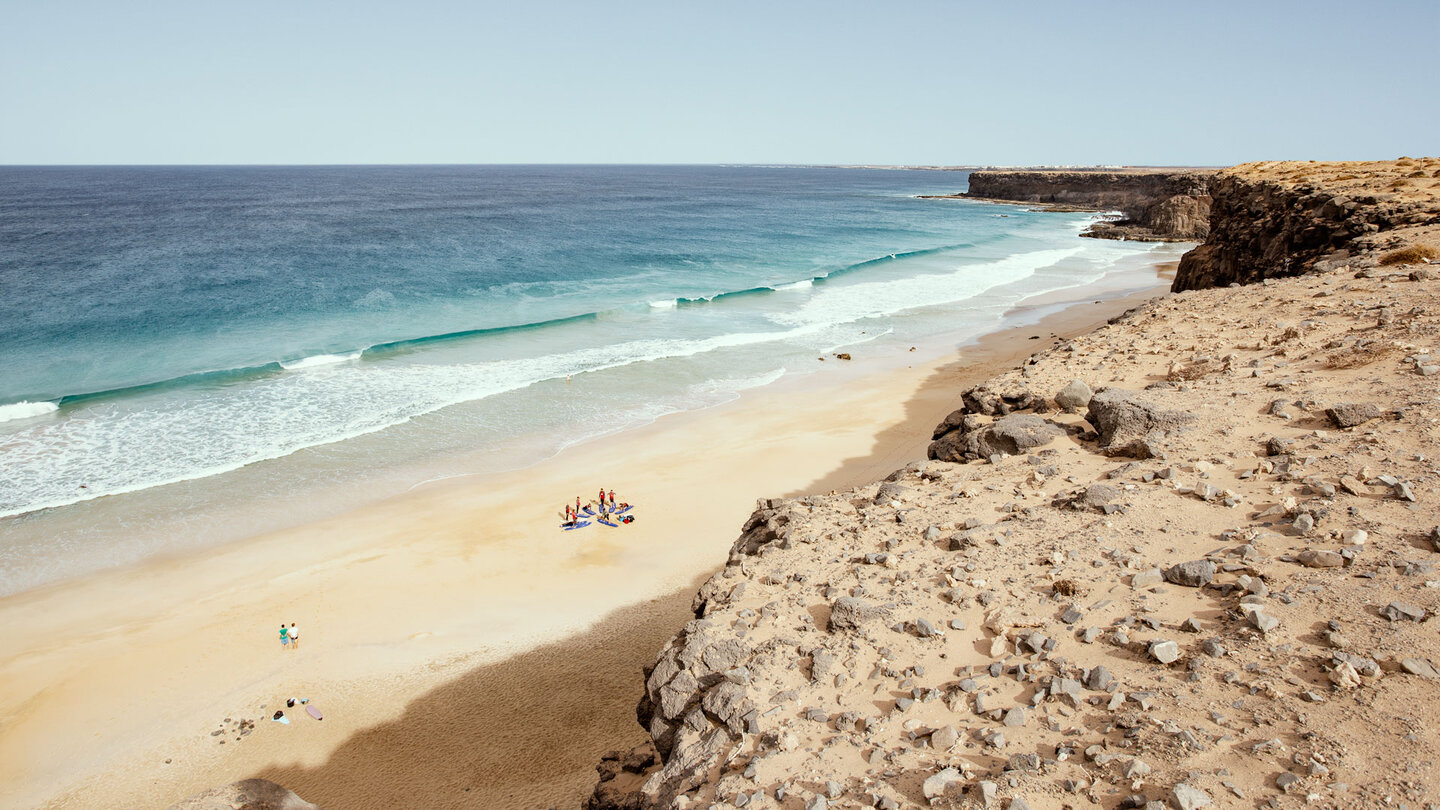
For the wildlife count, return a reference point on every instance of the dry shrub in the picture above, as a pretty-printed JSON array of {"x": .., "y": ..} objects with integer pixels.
[
  {"x": 1412, "y": 254},
  {"x": 1361, "y": 354},
  {"x": 1340, "y": 177},
  {"x": 1068, "y": 587},
  {"x": 1416, "y": 174},
  {"x": 1184, "y": 372}
]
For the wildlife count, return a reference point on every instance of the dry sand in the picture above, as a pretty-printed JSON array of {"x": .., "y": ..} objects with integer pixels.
[{"x": 423, "y": 617}]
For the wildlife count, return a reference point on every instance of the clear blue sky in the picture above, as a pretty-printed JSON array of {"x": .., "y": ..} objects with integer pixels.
[{"x": 675, "y": 81}]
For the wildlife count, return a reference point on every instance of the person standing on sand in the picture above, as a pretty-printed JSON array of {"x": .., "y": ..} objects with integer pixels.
[
  {"x": 612, "y": 499},
  {"x": 294, "y": 637},
  {"x": 284, "y": 636}
]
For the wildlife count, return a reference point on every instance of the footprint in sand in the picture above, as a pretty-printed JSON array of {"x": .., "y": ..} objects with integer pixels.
[{"x": 420, "y": 635}]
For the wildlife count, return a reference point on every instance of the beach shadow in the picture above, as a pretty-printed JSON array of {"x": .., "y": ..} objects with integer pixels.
[{"x": 523, "y": 733}]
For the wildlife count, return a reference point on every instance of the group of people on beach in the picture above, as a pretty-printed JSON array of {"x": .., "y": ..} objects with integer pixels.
[
  {"x": 603, "y": 507},
  {"x": 290, "y": 636}
]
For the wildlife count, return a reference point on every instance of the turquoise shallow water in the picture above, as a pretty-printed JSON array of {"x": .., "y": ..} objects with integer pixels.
[{"x": 169, "y": 335}]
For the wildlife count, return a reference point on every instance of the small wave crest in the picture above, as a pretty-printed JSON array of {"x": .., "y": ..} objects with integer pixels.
[
  {"x": 837, "y": 305},
  {"x": 669, "y": 303},
  {"x": 25, "y": 410},
  {"x": 735, "y": 385},
  {"x": 319, "y": 360}
]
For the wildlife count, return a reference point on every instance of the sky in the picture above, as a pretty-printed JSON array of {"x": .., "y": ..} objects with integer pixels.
[{"x": 903, "y": 82}]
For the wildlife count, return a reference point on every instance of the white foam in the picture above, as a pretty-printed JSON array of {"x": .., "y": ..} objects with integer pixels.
[
  {"x": 111, "y": 448},
  {"x": 799, "y": 285},
  {"x": 853, "y": 302},
  {"x": 26, "y": 410},
  {"x": 318, "y": 361},
  {"x": 740, "y": 384},
  {"x": 669, "y": 303}
]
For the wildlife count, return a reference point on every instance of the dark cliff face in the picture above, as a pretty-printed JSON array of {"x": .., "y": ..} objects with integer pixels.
[
  {"x": 1172, "y": 204},
  {"x": 1269, "y": 227}
]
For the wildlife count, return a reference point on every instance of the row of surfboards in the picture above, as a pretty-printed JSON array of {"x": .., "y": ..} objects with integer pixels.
[{"x": 590, "y": 513}]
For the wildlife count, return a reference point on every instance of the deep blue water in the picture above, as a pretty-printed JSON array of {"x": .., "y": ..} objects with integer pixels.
[{"x": 117, "y": 277}]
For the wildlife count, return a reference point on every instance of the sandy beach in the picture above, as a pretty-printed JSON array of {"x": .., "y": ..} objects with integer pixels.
[{"x": 464, "y": 651}]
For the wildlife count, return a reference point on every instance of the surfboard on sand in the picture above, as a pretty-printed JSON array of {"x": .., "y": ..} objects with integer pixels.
[
  {"x": 582, "y": 524},
  {"x": 623, "y": 510},
  {"x": 314, "y": 712},
  {"x": 607, "y": 523}
]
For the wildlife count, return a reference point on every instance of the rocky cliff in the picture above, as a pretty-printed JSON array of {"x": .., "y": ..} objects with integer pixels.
[
  {"x": 1270, "y": 220},
  {"x": 1187, "y": 560},
  {"x": 1171, "y": 205}
]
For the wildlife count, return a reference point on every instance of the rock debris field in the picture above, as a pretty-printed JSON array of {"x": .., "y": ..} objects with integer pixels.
[{"x": 1188, "y": 560}]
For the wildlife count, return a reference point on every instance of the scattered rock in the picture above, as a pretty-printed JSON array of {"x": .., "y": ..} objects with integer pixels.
[
  {"x": 1166, "y": 652},
  {"x": 1350, "y": 414},
  {"x": 1193, "y": 574},
  {"x": 1075, "y": 395},
  {"x": 1146, "y": 579},
  {"x": 945, "y": 783},
  {"x": 1419, "y": 666},
  {"x": 1122, "y": 417},
  {"x": 850, "y": 613},
  {"x": 1403, "y": 611},
  {"x": 1187, "y": 797},
  {"x": 1312, "y": 558}
]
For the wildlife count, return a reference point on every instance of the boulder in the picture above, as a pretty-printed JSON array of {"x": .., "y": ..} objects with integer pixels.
[
  {"x": 1187, "y": 797},
  {"x": 850, "y": 613},
  {"x": 1350, "y": 414},
  {"x": 1317, "y": 558},
  {"x": 1166, "y": 652},
  {"x": 1096, "y": 497},
  {"x": 1074, "y": 396},
  {"x": 1402, "y": 611},
  {"x": 891, "y": 491},
  {"x": 947, "y": 782},
  {"x": 1147, "y": 578},
  {"x": 1009, "y": 435},
  {"x": 1192, "y": 574},
  {"x": 1131, "y": 420},
  {"x": 944, "y": 738},
  {"x": 1012, "y": 435}
]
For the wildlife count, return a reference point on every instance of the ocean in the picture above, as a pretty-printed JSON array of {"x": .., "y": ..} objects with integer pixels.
[{"x": 178, "y": 342}]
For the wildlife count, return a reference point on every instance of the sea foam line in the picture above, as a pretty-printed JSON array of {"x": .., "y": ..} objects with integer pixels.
[
  {"x": 111, "y": 450},
  {"x": 846, "y": 304},
  {"x": 319, "y": 360},
  {"x": 26, "y": 410}
]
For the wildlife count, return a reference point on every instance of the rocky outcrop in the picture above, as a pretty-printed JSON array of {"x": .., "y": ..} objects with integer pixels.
[
  {"x": 248, "y": 794},
  {"x": 966, "y": 434},
  {"x": 1272, "y": 220},
  {"x": 1159, "y": 205}
]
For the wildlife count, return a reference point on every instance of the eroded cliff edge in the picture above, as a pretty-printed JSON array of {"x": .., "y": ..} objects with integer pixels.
[
  {"x": 1186, "y": 560},
  {"x": 1158, "y": 204},
  {"x": 1277, "y": 219}
]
